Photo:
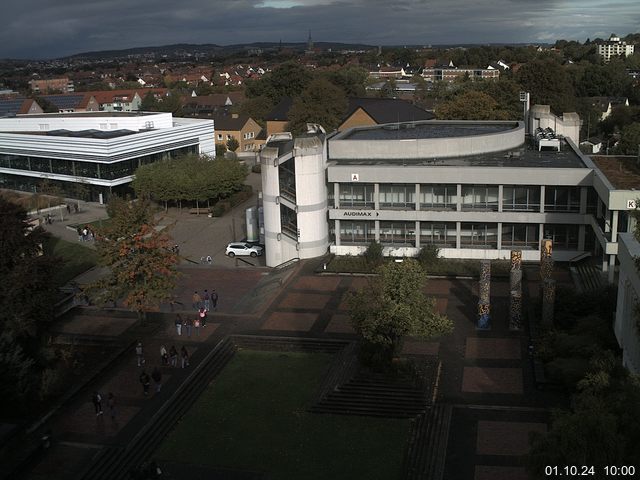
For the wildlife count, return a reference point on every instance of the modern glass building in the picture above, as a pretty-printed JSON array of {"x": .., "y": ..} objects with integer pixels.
[{"x": 97, "y": 149}]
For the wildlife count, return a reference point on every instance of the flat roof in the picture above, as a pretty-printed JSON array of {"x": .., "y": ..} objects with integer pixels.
[
  {"x": 525, "y": 156},
  {"x": 622, "y": 172},
  {"x": 90, "y": 114},
  {"x": 425, "y": 130},
  {"x": 92, "y": 133}
]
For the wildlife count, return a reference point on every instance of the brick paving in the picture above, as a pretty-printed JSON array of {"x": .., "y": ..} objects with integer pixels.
[
  {"x": 505, "y": 438},
  {"x": 495, "y": 348},
  {"x": 289, "y": 321},
  {"x": 339, "y": 323},
  {"x": 309, "y": 301},
  {"x": 492, "y": 380}
]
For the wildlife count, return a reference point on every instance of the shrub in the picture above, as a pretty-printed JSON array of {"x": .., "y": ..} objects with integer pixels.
[
  {"x": 428, "y": 256},
  {"x": 373, "y": 254}
]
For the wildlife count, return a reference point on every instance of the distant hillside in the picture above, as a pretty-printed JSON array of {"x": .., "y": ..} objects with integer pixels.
[{"x": 211, "y": 49}]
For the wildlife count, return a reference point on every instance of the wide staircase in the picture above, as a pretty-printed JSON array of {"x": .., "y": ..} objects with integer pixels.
[
  {"x": 357, "y": 391},
  {"x": 587, "y": 275},
  {"x": 426, "y": 453},
  {"x": 113, "y": 463}
]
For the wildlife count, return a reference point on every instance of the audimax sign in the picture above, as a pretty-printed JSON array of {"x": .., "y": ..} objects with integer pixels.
[{"x": 359, "y": 213}]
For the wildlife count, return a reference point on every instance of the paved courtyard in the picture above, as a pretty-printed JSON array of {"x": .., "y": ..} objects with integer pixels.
[{"x": 486, "y": 375}]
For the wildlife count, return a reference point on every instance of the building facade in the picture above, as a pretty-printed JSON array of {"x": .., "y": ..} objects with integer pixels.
[
  {"x": 614, "y": 47},
  {"x": 472, "y": 189},
  {"x": 97, "y": 149},
  {"x": 626, "y": 326}
]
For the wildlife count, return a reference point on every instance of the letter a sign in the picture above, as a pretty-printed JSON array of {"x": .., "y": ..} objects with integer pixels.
[{"x": 355, "y": 177}]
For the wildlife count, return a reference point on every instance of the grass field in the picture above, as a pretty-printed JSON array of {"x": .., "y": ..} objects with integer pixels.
[
  {"x": 254, "y": 417},
  {"x": 76, "y": 259}
]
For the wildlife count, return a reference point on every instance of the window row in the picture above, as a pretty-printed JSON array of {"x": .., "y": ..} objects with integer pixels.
[
  {"x": 445, "y": 197},
  {"x": 444, "y": 235},
  {"x": 106, "y": 171}
]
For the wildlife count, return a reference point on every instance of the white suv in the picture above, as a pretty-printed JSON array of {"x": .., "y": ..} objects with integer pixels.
[{"x": 241, "y": 248}]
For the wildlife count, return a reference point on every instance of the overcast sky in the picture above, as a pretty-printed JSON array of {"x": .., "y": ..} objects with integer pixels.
[{"x": 53, "y": 28}]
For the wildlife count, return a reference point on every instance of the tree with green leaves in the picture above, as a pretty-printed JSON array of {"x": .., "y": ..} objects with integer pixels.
[
  {"x": 549, "y": 84},
  {"x": 471, "y": 105},
  {"x": 27, "y": 300},
  {"x": 232, "y": 144},
  {"x": 142, "y": 269},
  {"x": 629, "y": 140},
  {"x": 321, "y": 102},
  {"x": 392, "y": 306}
]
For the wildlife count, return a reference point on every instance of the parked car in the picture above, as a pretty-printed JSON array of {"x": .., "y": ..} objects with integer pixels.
[{"x": 243, "y": 249}]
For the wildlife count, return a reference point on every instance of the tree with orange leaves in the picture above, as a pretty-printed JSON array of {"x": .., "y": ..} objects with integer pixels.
[{"x": 142, "y": 267}]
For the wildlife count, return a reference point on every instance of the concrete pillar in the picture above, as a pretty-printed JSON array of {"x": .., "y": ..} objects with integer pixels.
[
  {"x": 541, "y": 233},
  {"x": 542, "y": 194},
  {"x": 336, "y": 195},
  {"x": 499, "y": 234},
  {"x": 583, "y": 200},
  {"x": 612, "y": 268},
  {"x": 337, "y": 230},
  {"x": 377, "y": 233},
  {"x": 458, "y": 231},
  {"x": 459, "y": 198},
  {"x": 500, "y": 198},
  {"x": 614, "y": 226},
  {"x": 376, "y": 196},
  {"x": 582, "y": 233},
  {"x": 417, "y": 230},
  {"x": 417, "y": 196}
]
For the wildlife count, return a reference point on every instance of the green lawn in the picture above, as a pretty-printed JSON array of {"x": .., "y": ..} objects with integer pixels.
[
  {"x": 76, "y": 259},
  {"x": 254, "y": 417}
]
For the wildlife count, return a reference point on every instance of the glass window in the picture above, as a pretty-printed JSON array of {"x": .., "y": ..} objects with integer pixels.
[
  {"x": 289, "y": 222},
  {"x": 397, "y": 196},
  {"x": 521, "y": 198},
  {"x": 63, "y": 167},
  {"x": 287, "y": 179},
  {"x": 479, "y": 197},
  {"x": 20, "y": 163},
  {"x": 398, "y": 234},
  {"x": 356, "y": 195},
  {"x": 479, "y": 235},
  {"x": 520, "y": 235},
  {"x": 357, "y": 232},
  {"x": 562, "y": 199},
  {"x": 111, "y": 171},
  {"x": 438, "y": 234},
  {"x": 90, "y": 170},
  {"x": 40, "y": 164},
  {"x": 565, "y": 237},
  {"x": 438, "y": 197}
]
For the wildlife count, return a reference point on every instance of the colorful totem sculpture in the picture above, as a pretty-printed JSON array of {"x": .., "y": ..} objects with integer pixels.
[
  {"x": 515, "y": 298},
  {"x": 484, "y": 295}
]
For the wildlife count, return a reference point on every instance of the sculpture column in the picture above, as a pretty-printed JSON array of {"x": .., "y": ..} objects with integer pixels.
[
  {"x": 515, "y": 298},
  {"x": 484, "y": 295}
]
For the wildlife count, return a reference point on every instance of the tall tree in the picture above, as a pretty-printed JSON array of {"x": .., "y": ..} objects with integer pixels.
[
  {"x": 549, "y": 84},
  {"x": 393, "y": 306},
  {"x": 321, "y": 102},
  {"x": 27, "y": 300},
  {"x": 471, "y": 105},
  {"x": 629, "y": 140},
  {"x": 142, "y": 269}
]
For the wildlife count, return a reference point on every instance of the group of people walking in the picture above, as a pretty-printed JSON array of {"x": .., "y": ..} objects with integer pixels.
[
  {"x": 202, "y": 304},
  {"x": 85, "y": 234}
]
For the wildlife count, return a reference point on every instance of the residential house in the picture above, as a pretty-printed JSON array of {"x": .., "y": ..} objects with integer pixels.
[
  {"x": 51, "y": 85},
  {"x": 11, "y": 106},
  {"x": 73, "y": 102},
  {"x": 388, "y": 72},
  {"x": 208, "y": 105},
  {"x": 125, "y": 100},
  {"x": 241, "y": 127},
  {"x": 376, "y": 111},
  {"x": 605, "y": 105}
]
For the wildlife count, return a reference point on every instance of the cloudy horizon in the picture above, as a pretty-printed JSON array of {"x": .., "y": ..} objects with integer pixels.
[{"x": 37, "y": 29}]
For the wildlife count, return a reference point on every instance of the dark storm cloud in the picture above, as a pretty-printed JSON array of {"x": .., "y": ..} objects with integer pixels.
[{"x": 48, "y": 28}]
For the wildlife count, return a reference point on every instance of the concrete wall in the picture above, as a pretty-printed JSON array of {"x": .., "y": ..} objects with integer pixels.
[
  {"x": 628, "y": 293},
  {"x": 84, "y": 121},
  {"x": 429, "y": 147},
  {"x": 568, "y": 125}
]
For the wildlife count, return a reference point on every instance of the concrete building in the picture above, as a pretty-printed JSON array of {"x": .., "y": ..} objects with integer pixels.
[
  {"x": 52, "y": 85},
  {"x": 614, "y": 47},
  {"x": 473, "y": 189},
  {"x": 451, "y": 73},
  {"x": 98, "y": 149},
  {"x": 626, "y": 323}
]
